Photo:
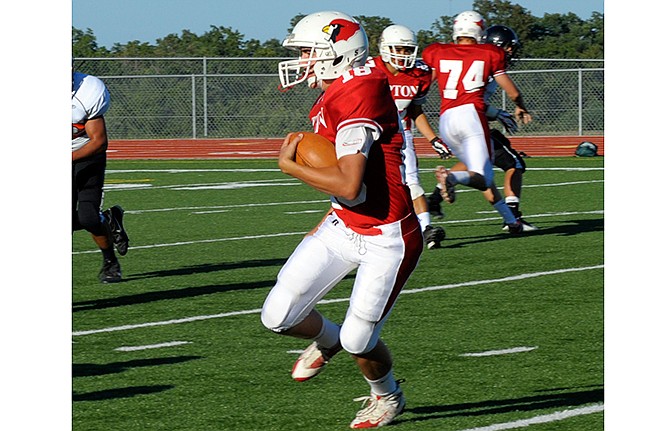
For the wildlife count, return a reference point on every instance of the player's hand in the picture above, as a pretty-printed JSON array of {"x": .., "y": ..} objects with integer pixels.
[
  {"x": 507, "y": 120},
  {"x": 441, "y": 148},
  {"x": 287, "y": 152},
  {"x": 522, "y": 115}
]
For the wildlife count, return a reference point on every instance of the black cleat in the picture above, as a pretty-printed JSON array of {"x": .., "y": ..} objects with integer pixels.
[
  {"x": 114, "y": 217},
  {"x": 110, "y": 272},
  {"x": 433, "y": 236},
  {"x": 514, "y": 228}
]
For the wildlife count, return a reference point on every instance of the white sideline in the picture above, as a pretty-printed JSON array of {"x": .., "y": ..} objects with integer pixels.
[
  {"x": 237, "y": 238},
  {"x": 543, "y": 419},
  {"x": 332, "y": 301}
]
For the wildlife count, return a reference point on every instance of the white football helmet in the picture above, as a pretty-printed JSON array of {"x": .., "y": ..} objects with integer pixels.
[
  {"x": 392, "y": 39},
  {"x": 469, "y": 24},
  {"x": 337, "y": 42}
]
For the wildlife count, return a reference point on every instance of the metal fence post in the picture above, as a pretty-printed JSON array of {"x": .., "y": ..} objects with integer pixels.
[
  {"x": 204, "y": 96},
  {"x": 580, "y": 108},
  {"x": 193, "y": 110}
]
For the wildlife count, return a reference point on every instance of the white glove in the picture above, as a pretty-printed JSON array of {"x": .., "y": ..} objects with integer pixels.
[
  {"x": 505, "y": 118},
  {"x": 441, "y": 148}
]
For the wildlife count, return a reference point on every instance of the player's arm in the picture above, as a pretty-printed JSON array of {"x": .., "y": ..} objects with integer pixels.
[
  {"x": 415, "y": 112},
  {"x": 343, "y": 180},
  {"x": 520, "y": 112},
  {"x": 97, "y": 133}
]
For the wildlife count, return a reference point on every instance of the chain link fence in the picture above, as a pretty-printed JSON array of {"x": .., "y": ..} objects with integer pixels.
[{"x": 177, "y": 98}]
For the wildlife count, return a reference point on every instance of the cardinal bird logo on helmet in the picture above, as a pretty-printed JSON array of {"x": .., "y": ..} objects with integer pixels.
[{"x": 340, "y": 29}]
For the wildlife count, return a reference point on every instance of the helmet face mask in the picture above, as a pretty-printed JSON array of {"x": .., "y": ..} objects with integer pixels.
[
  {"x": 469, "y": 24},
  {"x": 336, "y": 43},
  {"x": 394, "y": 43}
]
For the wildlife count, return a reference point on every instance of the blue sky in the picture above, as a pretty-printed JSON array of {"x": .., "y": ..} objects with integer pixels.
[{"x": 121, "y": 21}]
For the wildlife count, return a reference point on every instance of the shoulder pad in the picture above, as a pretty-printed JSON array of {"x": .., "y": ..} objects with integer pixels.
[{"x": 419, "y": 64}]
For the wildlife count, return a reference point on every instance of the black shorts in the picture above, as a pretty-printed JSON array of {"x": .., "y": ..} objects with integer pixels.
[{"x": 504, "y": 156}]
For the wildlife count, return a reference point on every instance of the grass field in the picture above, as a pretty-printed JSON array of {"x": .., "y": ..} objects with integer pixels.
[{"x": 492, "y": 331}]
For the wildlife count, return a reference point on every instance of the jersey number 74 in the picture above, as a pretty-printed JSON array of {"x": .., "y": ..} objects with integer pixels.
[{"x": 472, "y": 80}]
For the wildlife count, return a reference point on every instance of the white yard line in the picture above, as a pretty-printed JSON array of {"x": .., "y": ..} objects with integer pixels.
[
  {"x": 332, "y": 301},
  {"x": 247, "y": 237},
  {"x": 543, "y": 419},
  {"x": 499, "y": 352},
  {"x": 151, "y": 346}
]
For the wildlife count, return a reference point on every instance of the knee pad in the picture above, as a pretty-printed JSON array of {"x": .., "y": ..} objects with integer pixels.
[
  {"x": 416, "y": 190},
  {"x": 274, "y": 313},
  {"x": 358, "y": 335}
]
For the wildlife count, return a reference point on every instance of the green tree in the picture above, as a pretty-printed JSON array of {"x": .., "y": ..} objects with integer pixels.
[
  {"x": 565, "y": 36},
  {"x": 133, "y": 48},
  {"x": 373, "y": 25},
  {"x": 270, "y": 48},
  {"x": 84, "y": 44},
  {"x": 504, "y": 12}
]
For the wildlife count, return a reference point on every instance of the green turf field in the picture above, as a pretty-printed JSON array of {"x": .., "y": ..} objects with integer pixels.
[{"x": 492, "y": 332}]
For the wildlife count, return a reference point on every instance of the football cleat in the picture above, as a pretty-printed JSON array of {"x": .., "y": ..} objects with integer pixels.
[
  {"x": 525, "y": 226},
  {"x": 114, "y": 217},
  {"x": 379, "y": 410},
  {"x": 310, "y": 363},
  {"x": 110, "y": 271},
  {"x": 433, "y": 236},
  {"x": 514, "y": 228}
]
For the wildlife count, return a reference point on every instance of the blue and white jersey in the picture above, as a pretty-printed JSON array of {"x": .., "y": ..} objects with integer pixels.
[{"x": 90, "y": 99}]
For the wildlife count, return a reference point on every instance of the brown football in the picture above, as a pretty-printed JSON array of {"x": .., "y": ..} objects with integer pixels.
[{"x": 315, "y": 151}]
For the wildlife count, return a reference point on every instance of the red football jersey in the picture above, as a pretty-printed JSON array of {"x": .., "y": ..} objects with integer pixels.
[
  {"x": 407, "y": 86},
  {"x": 463, "y": 71},
  {"x": 362, "y": 97}
]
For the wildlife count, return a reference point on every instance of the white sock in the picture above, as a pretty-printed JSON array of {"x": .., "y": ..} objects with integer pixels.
[
  {"x": 424, "y": 220},
  {"x": 512, "y": 200},
  {"x": 384, "y": 386},
  {"x": 329, "y": 335}
]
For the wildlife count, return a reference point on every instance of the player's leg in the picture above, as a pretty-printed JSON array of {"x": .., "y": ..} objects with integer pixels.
[
  {"x": 89, "y": 178},
  {"x": 433, "y": 235},
  {"x": 514, "y": 166},
  {"x": 372, "y": 300},
  {"x": 311, "y": 271}
]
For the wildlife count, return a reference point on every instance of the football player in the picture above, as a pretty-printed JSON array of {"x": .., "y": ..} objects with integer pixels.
[
  {"x": 371, "y": 226},
  {"x": 462, "y": 70},
  {"x": 90, "y": 101},
  {"x": 410, "y": 80},
  {"x": 504, "y": 156}
]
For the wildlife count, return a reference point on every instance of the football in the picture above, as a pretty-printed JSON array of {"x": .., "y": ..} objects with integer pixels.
[
  {"x": 315, "y": 151},
  {"x": 78, "y": 130}
]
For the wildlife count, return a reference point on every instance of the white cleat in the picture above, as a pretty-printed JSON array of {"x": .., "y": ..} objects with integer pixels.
[
  {"x": 379, "y": 410},
  {"x": 310, "y": 363}
]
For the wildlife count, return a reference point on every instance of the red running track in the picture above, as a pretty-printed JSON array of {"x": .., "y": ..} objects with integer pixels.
[{"x": 259, "y": 148}]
